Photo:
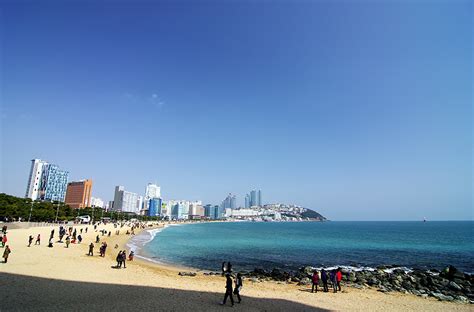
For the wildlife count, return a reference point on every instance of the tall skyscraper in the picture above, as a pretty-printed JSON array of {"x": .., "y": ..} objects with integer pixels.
[
  {"x": 254, "y": 199},
  {"x": 46, "y": 181},
  {"x": 34, "y": 181},
  {"x": 78, "y": 194},
  {"x": 154, "y": 207},
  {"x": 125, "y": 201},
  {"x": 152, "y": 191},
  {"x": 247, "y": 201},
  {"x": 229, "y": 202}
]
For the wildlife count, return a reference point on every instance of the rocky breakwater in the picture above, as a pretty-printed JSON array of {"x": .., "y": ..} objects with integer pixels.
[{"x": 445, "y": 286}]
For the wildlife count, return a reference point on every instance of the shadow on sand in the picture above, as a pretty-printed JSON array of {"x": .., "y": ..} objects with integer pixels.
[{"x": 27, "y": 293}]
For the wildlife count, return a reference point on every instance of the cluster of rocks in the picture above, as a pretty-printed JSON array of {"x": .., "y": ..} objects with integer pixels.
[
  {"x": 424, "y": 283},
  {"x": 187, "y": 274}
]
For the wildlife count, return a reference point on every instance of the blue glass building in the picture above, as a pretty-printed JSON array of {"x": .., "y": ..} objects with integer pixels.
[
  {"x": 53, "y": 183},
  {"x": 154, "y": 207}
]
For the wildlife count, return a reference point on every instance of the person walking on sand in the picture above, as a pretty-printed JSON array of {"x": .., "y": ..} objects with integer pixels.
[
  {"x": 339, "y": 278},
  {"x": 4, "y": 240},
  {"x": 130, "y": 256},
  {"x": 91, "y": 249},
  {"x": 6, "y": 253},
  {"x": 50, "y": 244},
  {"x": 38, "y": 240},
  {"x": 119, "y": 260},
  {"x": 30, "y": 240},
  {"x": 228, "y": 290},
  {"x": 97, "y": 239},
  {"x": 124, "y": 258},
  {"x": 315, "y": 280},
  {"x": 238, "y": 287},
  {"x": 68, "y": 241},
  {"x": 324, "y": 278}
]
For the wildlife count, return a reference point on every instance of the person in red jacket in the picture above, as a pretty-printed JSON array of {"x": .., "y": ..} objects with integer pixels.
[
  {"x": 339, "y": 278},
  {"x": 315, "y": 280}
]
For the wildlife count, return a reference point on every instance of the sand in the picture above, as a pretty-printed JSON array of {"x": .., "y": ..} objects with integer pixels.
[{"x": 39, "y": 278}]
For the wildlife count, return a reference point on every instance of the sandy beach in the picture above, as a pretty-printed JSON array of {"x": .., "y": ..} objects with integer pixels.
[{"x": 39, "y": 278}]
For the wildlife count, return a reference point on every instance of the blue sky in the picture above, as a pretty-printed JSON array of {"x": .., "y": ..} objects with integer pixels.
[{"x": 361, "y": 110}]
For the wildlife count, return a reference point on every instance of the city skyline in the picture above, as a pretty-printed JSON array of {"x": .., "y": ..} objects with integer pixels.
[{"x": 364, "y": 116}]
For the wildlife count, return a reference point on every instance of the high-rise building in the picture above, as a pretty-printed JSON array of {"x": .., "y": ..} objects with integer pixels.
[
  {"x": 154, "y": 207},
  {"x": 247, "y": 201},
  {"x": 78, "y": 194},
  {"x": 125, "y": 201},
  {"x": 211, "y": 212},
  {"x": 97, "y": 202},
  {"x": 180, "y": 209},
  {"x": 46, "y": 181},
  {"x": 229, "y": 202},
  {"x": 254, "y": 199},
  {"x": 34, "y": 181},
  {"x": 152, "y": 191}
]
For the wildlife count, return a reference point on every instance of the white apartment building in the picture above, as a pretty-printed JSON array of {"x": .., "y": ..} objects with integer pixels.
[{"x": 126, "y": 201}]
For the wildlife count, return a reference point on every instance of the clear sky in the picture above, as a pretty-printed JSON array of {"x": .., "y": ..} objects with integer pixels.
[{"x": 361, "y": 110}]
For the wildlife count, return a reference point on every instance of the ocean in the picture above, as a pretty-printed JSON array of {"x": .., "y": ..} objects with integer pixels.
[{"x": 290, "y": 245}]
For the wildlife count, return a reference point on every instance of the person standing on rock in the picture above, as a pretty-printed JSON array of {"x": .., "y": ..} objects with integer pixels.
[
  {"x": 6, "y": 253},
  {"x": 315, "y": 280},
  {"x": 228, "y": 290},
  {"x": 324, "y": 278},
  {"x": 333, "y": 279}
]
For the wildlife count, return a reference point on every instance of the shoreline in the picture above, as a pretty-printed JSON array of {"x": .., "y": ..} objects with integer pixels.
[
  {"x": 33, "y": 275},
  {"x": 387, "y": 267}
]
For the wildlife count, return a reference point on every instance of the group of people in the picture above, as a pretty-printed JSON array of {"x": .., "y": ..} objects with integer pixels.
[
  {"x": 334, "y": 277},
  {"x": 4, "y": 239},
  {"x": 230, "y": 290},
  {"x": 121, "y": 259}
]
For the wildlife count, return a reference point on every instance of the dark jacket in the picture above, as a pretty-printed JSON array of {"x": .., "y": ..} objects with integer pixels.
[{"x": 228, "y": 284}]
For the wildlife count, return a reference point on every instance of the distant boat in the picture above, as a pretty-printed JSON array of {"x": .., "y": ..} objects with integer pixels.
[{"x": 424, "y": 219}]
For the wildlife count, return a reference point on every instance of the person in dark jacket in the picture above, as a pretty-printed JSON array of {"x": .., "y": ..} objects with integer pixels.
[
  {"x": 229, "y": 267},
  {"x": 119, "y": 259},
  {"x": 124, "y": 258},
  {"x": 333, "y": 279},
  {"x": 91, "y": 249},
  {"x": 238, "y": 287},
  {"x": 30, "y": 240},
  {"x": 324, "y": 278},
  {"x": 228, "y": 290}
]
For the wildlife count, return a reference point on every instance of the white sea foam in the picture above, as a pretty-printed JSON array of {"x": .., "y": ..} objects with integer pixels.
[{"x": 138, "y": 241}]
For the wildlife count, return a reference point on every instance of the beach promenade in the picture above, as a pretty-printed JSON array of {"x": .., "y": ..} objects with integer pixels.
[{"x": 39, "y": 278}]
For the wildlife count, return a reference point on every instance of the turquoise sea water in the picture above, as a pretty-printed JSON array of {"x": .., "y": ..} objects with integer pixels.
[{"x": 289, "y": 245}]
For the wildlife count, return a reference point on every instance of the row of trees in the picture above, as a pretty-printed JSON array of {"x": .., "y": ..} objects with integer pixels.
[{"x": 16, "y": 208}]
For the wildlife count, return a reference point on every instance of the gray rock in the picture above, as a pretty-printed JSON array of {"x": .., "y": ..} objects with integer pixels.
[
  {"x": 187, "y": 274},
  {"x": 304, "y": 281},
  {"x": 462, "y": 299},
  {"x": 454, "y": 286},
  {"x": 442, "y": 297}
]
